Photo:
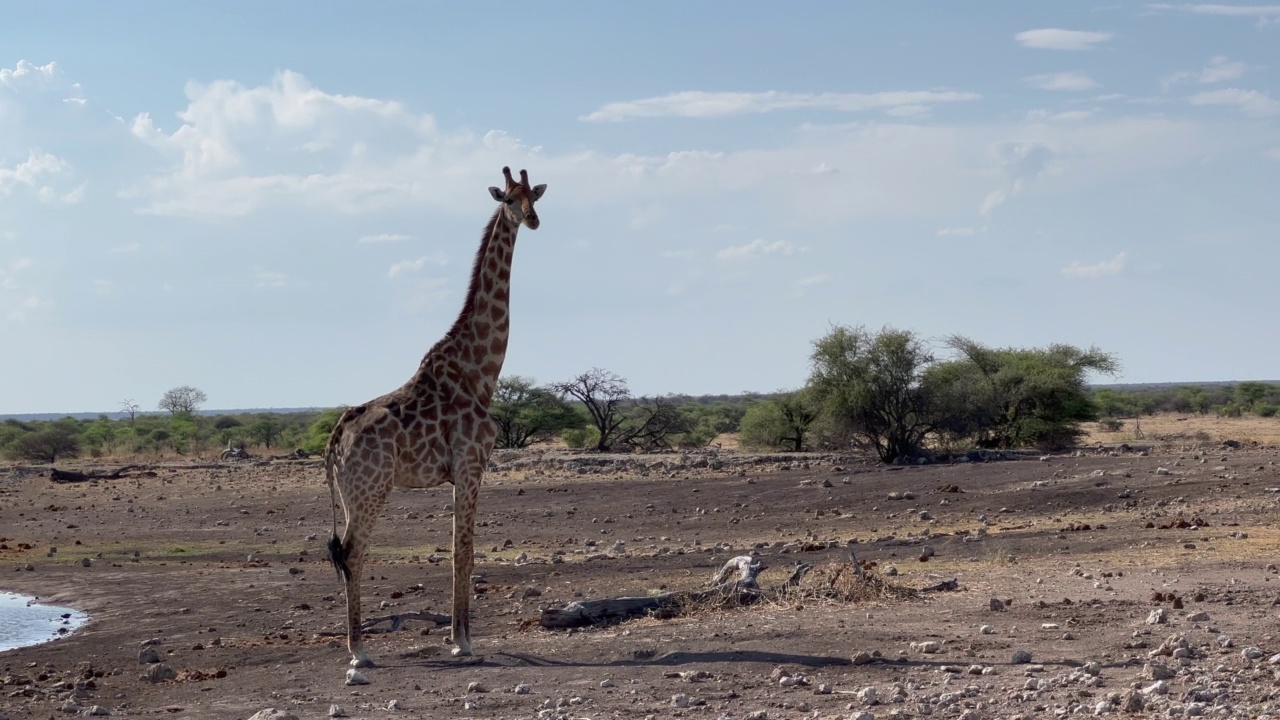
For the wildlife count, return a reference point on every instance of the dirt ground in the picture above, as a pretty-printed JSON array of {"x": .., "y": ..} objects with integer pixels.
[{"x": 221, "y": 571}]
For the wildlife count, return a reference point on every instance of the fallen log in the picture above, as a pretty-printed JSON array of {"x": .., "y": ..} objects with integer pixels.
[
  {"x": 725, "y": 591},
  {"x": 742, "y": 590},
  {"x": 70, "y": 476}
]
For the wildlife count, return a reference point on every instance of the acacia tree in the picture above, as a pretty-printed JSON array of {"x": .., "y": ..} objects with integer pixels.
[
  {"x": 183, "y": 400},
  {"x": 872, "y": 387},
  {"x": 652, "y": 423},
  {"x": 604, "y": 396},
  {"x": 1035, "y": 396},
  {"x": 526, "y": 413},
  {"x": 780, "y": 422}
]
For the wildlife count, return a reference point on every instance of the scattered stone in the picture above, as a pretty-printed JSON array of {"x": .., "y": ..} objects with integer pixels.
[
  {"x": 1021, "y": 657},
  {"x": 522, "y": 689},
  {"x": 987, "y": 630},
  {"x": 336, "y": 711},
  {"x": 1159, "y": 616},
  {"x": 1198, "y": 617},
  {"x": 274, "y": 714},
  {"x": 159, "y": 672},
  {"x": 148, "y": 656},
  {"x": 355, "y": 677},
  {"x": 997, "y": 605}
]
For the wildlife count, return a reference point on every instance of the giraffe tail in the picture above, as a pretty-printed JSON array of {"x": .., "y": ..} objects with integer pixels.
[
  {"x": 337, "y": 551},
  {"x": 338, "y": 556}
]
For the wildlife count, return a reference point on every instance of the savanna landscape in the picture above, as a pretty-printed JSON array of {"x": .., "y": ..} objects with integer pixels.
[{"x": 1132, "y": 574}]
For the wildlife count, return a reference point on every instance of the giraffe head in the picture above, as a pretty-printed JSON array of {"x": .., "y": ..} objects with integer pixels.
[{"x": 518, "y": 199}]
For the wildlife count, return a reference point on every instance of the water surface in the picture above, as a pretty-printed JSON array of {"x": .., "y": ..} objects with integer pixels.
[{"x": 24, "y": 622}]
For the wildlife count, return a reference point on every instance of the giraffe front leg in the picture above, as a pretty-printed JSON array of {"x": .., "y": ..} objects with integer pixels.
[{"x": 465, "y": 494}]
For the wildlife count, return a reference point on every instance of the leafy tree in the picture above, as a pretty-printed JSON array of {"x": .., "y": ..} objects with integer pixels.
[
  {"x": 604, "y": 396},
  {"x": 781, "y": 422},
  {"x": 1032, "y": 396},
  {"x": 871, "y": 386},
  {"x": 183, "y": 400},
  {"x": 317, "y": 437},
  {"x": 526, "y": 413},
  {"x": 46, "y": 445},
  {"x": 265, "y": 429},
  {"x": 1250, "y": 394}
]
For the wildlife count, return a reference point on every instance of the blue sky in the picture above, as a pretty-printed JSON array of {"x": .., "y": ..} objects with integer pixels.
[{"x": 278, "y": 202}]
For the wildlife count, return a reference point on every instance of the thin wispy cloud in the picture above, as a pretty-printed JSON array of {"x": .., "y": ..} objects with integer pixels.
[
  {"x": 1059, "y": 39},
  {"x": 268, "y": 279},
  {"x": 758, "y": 248},
  {"x": 383, "y": 238},
  {"x": 1250, "y": 102},
  {"x": 959, "y": 231},
  {"x": 1069, "y": 81},
  {"x": 408, "y": 266},
  {"x": 1114, "y": 266},
  {"x": 812, "y": 281},
  {"x": 132, "y": 247},
  {"x": 1263, "y": 14},
  {"x": 1218, "y": 69},
  {"x": 699, "y": 104},
  {"x": 25, "y": 309}
]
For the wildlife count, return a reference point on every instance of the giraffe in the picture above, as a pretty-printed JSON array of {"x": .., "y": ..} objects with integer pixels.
[{"x": 435, "y": 428}]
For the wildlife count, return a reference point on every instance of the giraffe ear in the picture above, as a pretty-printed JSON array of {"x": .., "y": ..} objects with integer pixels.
[
  {"x": 497, "y": 194},
  {"x": 538, "y": 190}
]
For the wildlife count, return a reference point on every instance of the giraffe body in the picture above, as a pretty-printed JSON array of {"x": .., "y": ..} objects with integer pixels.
[{"x": 435, "y": 428}]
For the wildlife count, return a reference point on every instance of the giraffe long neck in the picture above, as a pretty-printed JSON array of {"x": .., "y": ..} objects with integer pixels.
[{"x": 481, "y": 330}]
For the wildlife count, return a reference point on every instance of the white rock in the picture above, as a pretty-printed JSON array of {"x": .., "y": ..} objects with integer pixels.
[
  {"x": 680, "y": 700},
  {"x": 273, "y": 714},
  {"x": 522, "y": 689},
  {"x": 336, "y": 711},
  {"x": 987, "y": 630},
  {"x": 355, "y": 677},
  {"x": 868, "y": 696}
]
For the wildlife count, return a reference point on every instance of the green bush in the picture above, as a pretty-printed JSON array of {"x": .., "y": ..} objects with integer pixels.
[
  {"x": 317, "y": 437},
  {"x": 1265, "y": 410},
  {"x": 578, "y": 438}
]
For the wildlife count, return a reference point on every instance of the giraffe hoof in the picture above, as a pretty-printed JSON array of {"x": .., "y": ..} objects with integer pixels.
[
  {"x": 362, "y": 663},
  {"x": 460, "y": 652}
]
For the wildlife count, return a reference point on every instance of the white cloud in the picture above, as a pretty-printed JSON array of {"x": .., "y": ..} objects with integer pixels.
[
  {"x": 1058, "y": 39},
  {"x": 1264, "y": 14},
  {"x": 1069, "y": 81},
  {"x": 383, "y": 238},
  {"x": 9, "y": 273},
  {"x": 26, "y": 308},
  {"x": 405, "y": 266},
  {"x": 699, "y": 104},
  {"x": 27, "y": 72},
  {"x": 268, "y": 279},
  {"x": 32, "y": 174},
  {"x": 812, "y": 281},
  {"x": 1020, "y": 163},
  {"x": 959, "y": 231},
  {"x": 1107, "y": 267},
  {"x": 1219, "y": 69},
  {"x": 426, "y": 296},
  {"x": 1250, "y": 102},
  {"x": 132, "y": 247},
  {"x": 758, "y": 248}
]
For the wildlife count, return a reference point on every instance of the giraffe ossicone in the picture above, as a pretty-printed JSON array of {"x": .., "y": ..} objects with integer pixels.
[{"x": 435, "y": 428}]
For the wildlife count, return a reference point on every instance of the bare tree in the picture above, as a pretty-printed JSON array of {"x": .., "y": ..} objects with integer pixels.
[
  {"x": 130, "y": 408},
  {"x": 653, "y": 423},
  {"x": 183, "y": 400},
  {"x": 604, "y": 395}
]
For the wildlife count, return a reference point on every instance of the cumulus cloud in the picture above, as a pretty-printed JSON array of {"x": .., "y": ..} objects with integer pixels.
[
  {"x": 1069, "y": 81},
  {"x": 758, "y": 248},
  {"x": 33, "y": 173},
  {"x": 383, "y": 238},
  {"x": 700, "y": 104},
  {"x": 29, "y": 73},
  {"x": 1114, "y": 266},
  {"x": 407, "y": 266},
  {"x": 1250, "y": 102},
  {"x": 1059, "y": 39}
]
